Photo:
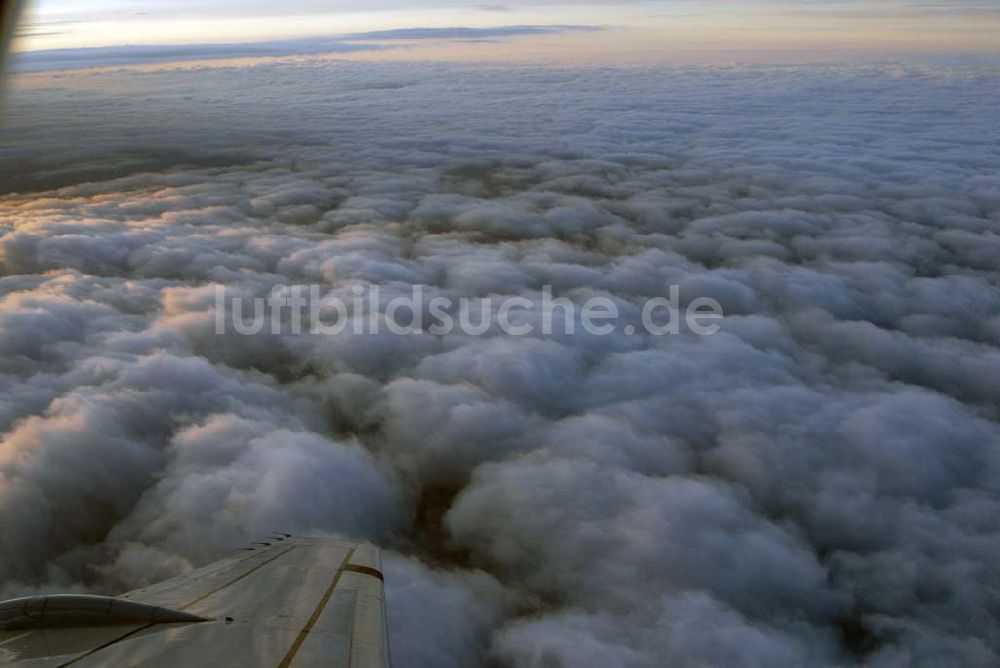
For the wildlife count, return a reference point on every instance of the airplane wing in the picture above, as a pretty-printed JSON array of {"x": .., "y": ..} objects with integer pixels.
[{"x": 287, "y": 602}]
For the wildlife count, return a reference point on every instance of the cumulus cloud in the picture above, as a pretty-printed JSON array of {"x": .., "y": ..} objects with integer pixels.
[{"x": 817, "y": 484}]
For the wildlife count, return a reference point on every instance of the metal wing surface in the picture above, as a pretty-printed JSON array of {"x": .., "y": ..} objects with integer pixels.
[{"x": 289, "y": 601}]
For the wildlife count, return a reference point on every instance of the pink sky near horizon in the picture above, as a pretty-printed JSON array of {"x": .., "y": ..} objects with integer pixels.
[{"x": 641, "y": 31}]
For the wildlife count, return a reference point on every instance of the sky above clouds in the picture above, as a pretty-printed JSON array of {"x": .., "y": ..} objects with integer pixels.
[{"x": 639, "y": 30}]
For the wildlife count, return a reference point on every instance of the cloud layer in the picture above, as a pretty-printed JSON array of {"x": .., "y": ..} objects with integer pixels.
[
  {"x": 815, "y": 485},
  {"x": 150, "y": 54}
]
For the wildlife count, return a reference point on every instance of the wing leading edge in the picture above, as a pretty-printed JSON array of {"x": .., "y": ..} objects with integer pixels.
[{"x": 297, "y": 601}]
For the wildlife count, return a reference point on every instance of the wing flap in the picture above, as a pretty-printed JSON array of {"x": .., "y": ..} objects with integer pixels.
[{"x": 310, "y": 601}]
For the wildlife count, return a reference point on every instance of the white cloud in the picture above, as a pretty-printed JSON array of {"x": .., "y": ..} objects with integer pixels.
[{"x": 816, "y": 485}]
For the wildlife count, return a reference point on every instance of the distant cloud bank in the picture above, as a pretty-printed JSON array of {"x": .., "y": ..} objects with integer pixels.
[{"x": 120, "y": 56}]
